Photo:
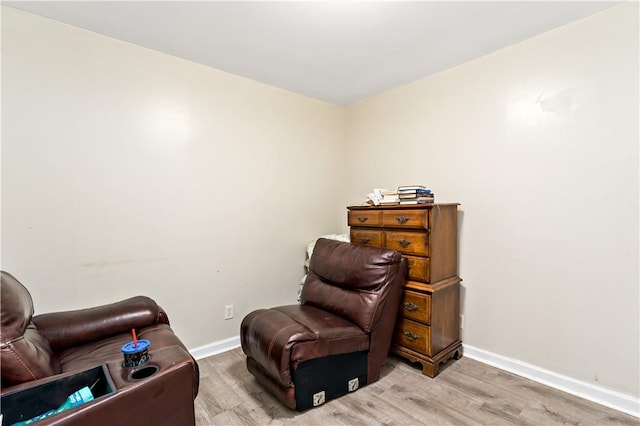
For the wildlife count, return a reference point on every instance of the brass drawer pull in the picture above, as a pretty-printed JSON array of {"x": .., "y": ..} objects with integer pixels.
[
  {"x": 402, "y": 219},
  {"x": 411, "y": 336},
  {"x": 404, "y": 243},
  {"x": 362, "y": 219},
  {"x": 411, "y": 306},
  {"x": 364, "y": 240}
]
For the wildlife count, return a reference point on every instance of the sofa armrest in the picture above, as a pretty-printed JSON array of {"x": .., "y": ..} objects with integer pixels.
[
  {"x": 165, "y": 398},
  {"x": 71, "y": 328}
]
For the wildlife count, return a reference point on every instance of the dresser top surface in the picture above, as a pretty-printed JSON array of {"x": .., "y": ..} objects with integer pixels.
[{"x": 400, "y": 206}]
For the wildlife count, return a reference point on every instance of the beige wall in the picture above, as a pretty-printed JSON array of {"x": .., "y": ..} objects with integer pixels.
[
  {"x": 539, "y": 144},
  {"x": 126, "y": 171}
]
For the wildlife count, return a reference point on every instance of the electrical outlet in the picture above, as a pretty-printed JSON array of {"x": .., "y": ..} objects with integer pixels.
[
  {"x": 228, "y": 312},
  {"x": 461, "y": 320}
]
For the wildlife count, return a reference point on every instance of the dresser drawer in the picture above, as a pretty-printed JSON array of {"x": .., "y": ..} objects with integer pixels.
[
  {"x": 414, "y": 336},
  {"x": 364, "y": 218},
  {"x": 405, "y": 219},
  {"x": 416, "y": 306},
  {"x": 366, "y": 237},
  {"x": 409, "y": 242},
  {"x": 418, "y": 268}
]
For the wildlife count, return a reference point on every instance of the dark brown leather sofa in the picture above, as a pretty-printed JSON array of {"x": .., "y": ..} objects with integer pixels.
[
  {"x": 41, "y": 354},
  {"x": 337, "y": 339}
]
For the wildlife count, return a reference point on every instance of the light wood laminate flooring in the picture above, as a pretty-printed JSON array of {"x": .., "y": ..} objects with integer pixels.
[{"x": 466, "y": 392}]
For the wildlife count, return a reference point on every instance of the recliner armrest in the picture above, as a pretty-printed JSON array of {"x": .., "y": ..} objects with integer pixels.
[
  {"x": 163, "y": 399},
  {"x": 70, "y": 328}
]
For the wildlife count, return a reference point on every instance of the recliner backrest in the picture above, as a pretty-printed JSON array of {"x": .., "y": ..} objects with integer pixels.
[
  {"x": 351, "y": 281},
  {"x": 25, "y": 354}
]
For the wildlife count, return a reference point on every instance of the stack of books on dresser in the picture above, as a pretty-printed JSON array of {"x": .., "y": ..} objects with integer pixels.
[{"x": 415, "y": 194}]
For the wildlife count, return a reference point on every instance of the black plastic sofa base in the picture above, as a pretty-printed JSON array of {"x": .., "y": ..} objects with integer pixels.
[{"x": 322, "y": 379}]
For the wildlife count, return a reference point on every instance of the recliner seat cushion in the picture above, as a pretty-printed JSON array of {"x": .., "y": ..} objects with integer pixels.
[{"x": 280, "y": 338}]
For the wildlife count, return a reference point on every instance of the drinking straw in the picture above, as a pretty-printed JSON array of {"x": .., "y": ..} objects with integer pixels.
[{"x": 135, "y": 339}]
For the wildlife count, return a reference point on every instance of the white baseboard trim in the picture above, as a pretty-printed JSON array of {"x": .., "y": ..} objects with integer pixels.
[
  {"x": 609, "y": 398},
  {"x": 215, "y": 347}
]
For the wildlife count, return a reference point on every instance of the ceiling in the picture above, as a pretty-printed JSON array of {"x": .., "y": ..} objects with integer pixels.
[{"x": 337, "y": 51}]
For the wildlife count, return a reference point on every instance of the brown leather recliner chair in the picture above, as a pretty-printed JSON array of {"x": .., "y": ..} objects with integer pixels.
[
  {"x": 43, "y": 357},
  {"x": 337, "y": 339}
]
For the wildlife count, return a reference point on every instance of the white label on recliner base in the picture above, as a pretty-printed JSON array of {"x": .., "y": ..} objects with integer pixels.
[
  {"x": 353, "y": 384},
  {"x": 318, "y": 398}
]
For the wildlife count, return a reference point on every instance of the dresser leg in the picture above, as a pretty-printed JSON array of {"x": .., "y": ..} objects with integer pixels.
[
  {"x": 432, "y": 369},
  {"x": 431, "y": 366},
  {"x": 458, "y": 353},
  {"x": 429, "y": 369}
]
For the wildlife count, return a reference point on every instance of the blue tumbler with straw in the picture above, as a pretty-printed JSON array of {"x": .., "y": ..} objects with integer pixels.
[{"x": 135, "y": 353}]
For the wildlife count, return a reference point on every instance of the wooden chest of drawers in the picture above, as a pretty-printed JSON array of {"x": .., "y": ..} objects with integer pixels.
[{"x": 427, "y": 330}]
